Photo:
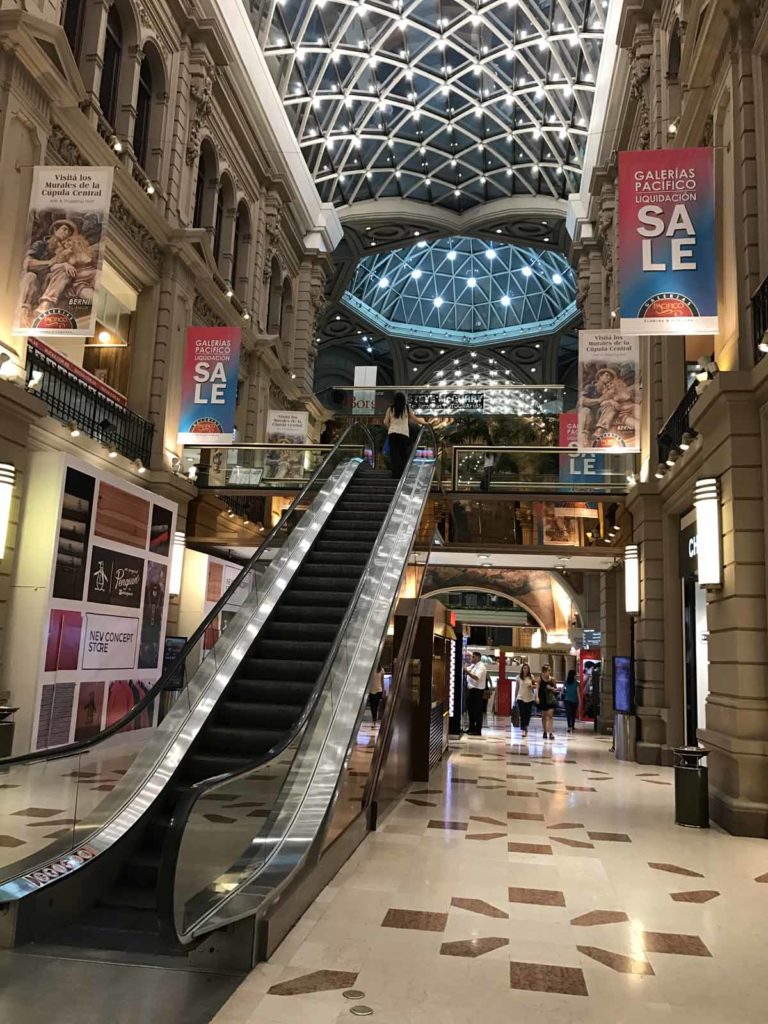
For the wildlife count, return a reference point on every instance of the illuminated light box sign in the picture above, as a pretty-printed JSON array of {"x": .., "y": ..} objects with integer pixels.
[
  {"x": 667, "y": 242},
  {"x": 209, "y": 385}
]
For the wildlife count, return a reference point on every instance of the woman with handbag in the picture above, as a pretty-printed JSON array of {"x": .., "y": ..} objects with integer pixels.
[
  {"x": 547, "y": 702},
  {"x": 525, "y": 696},
  {"x": 398, "y": 421}
]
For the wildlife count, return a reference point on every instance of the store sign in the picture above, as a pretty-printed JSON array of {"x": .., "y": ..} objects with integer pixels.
[
  {"x": 689, "y": 551},
  {"x": 609, "y": 392},
  {"x": 667, "y": 242},
  {"x": 591, "y": 639},
  {"x": 110, "y": 642},
  {"x": 115, "y": 578},
  {"x": 578, "y": 468},
  {"x": 64, "y": 250},
  {"x": 209, "y": 385}
]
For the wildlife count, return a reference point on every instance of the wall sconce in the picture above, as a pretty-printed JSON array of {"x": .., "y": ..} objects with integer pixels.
[
  {"x": 7, "y": 480},
  {"x": 632, "y": 579},
  {"x": 177, "y": 563},
  {"x": 706, "y": 499}
]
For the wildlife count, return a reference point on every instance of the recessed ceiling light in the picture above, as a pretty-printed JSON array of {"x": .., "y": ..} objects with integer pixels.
[
  {"x": 438, "y": 301},
  {"x": 384, "y": 282}
]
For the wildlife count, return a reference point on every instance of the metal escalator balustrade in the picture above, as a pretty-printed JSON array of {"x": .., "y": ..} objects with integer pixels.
[
  {"x": 128, "y": 755},
  {"x": 268, "y": 821}
]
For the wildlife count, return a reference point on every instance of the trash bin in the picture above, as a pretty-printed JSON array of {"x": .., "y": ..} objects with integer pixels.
[
  {"x": 625, "y": 736},
  {"x": 691, "y": 787},
  {"x": 6, "y": 730}
]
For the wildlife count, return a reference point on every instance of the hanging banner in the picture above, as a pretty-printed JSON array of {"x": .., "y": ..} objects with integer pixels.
[
  {"x": 364, "y": 395},
  {"x": 63, "y": 254},
  {"x": 209, "y": 385},
  {"x": 578, "y": 468},
  {"x": 667, "y": 242},
  {"x": 285, "y": 427},
  {"x": 609, "y": 391}
]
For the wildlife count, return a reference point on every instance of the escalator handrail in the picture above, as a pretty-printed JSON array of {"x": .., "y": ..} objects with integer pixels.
[
  {"x": 166, "y": 881},
  {"x": 171, "y": 674}
]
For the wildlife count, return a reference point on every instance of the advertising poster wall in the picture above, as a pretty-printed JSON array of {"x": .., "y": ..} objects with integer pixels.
[
  {"x": 66, "y": 235},
  {"x": 667, "y": 242},
  {"x": 609, "y": 392},
  {"x": 107, "y": 607},
  {"x": 285, "y": 427},
  {"x": 209, "y": 385}
]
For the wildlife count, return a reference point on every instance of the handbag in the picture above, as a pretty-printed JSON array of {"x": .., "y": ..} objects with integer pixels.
[
  {"x": 515, "y": 716},
  {"x": 385, "y": 447}
]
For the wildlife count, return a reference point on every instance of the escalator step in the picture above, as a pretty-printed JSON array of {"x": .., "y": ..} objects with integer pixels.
[
  {"x": 321, "y": 569},
  {"x": 290, "y": 671},
  {"x": 143, "y": 867},
  {"x": 297, "y": 650},
  {"x": 342, "y": 546},
  {"x": 258, "y": 714},
  {"x": 131, "y": 897},
  {"x": 248, "y": 742},
  {"x": 356, "y": 559},
  {"x": 270, "y": 691},
  {"x": 292, "y": 612},
  {"x": 286, "y": 630},
  {"x": 341, "y": 587},
  {"x": 202, "y": 765},
  {"x": 315, "y": 599}
]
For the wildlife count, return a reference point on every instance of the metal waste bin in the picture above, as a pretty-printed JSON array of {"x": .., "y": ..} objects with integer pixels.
[
  {"x": 6, "y": 730},
  {"x": 691, "y": 787},
  {"x": 625, "y": 736}
]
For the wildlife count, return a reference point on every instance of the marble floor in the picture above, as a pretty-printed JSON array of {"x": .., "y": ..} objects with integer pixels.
[{"x": 529, "y": 878}]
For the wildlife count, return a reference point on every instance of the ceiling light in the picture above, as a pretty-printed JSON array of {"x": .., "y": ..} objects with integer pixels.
[
  {"x": 416, "y": 274},
  {"x": 104, "y": 337},
  {"x": 384, "y": 282},
  {"x": 505, "y": 300},
  {"x": 438, "y": 301},
  {"x": 451, "y": 255},
  {"x": 557, "y": 279},
  {"x": 490, "y": 254},
  {"x": 471, "y": 282},
  {"x": 527, "y": 271}
]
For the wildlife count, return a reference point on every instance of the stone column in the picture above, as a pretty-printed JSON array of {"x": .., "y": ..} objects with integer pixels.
[
  {"x": 729, "y": 422},
  {"x": 308, "y": 301},
  {"x": 645, "y": 506},
  {"x": 608, "y": 648}
]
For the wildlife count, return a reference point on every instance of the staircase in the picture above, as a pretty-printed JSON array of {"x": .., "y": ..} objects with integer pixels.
[{"x": 264, "y": 699}]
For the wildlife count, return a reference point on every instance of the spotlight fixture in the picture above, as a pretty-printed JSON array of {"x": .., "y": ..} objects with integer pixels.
[
  {"x": 113, "y": 453},
  {"x": 229, "y": 293},
  {"x": 673, "y": 456},
  {"x": 673, "y": 127},
  {"x": 74, "y": 430},
  {"x": 246, "y": 315},
  {"x": 117, "y": 145},
  {"x": 140, "y": 467},
  {"x": 686, "y": 441},
  {"x": 104, "y": 337},
  {"x": 763, "y": 346},
  {"x": 150, "y": 189},
  {"x": 661, "y": 470},
  {"x": 35, "y": 380},
  {"x": 8, "y": 369}
]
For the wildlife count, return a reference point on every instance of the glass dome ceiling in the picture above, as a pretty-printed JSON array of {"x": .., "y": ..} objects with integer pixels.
[
  {"x": 451, "y": 102},
  {"x": 464, "y": 291}
]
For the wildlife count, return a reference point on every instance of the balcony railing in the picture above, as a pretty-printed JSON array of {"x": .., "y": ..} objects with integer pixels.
[
  {"x": 677, "y": 426},
  {"x": 520, "y": 469},
  {"x": 760, "y": 320},
  {"x": 74, "y": 400}
]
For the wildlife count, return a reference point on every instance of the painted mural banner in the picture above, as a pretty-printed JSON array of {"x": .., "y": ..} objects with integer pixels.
[
  {"x": 667, "y": 242},
  {"x": 209, "y": 385},
  {"x": 64, "y": 251},
  {"x": 609, "y": 392},
  {"x": 285, "y": 427}
]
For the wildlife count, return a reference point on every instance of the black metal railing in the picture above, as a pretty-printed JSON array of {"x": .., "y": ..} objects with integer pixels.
[
  {"x": 760, "y": 320},
  {"x": 71, "y": 399},
  {"x": 672, "y": 433}
]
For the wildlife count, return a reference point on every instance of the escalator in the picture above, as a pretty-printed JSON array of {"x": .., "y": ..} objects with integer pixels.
[{"x": 231, "y": 795}]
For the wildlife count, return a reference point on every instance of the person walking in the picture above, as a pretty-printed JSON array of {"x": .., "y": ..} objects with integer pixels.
[
  {"x": 571, "y": 698},
  {"x": 376, "y": 693},
  {"x": 476, "y": 677},
  {"x": 547, "y": 702},
  {"x": 398, "y": 420},
  {"x": 526, "y": 695}
]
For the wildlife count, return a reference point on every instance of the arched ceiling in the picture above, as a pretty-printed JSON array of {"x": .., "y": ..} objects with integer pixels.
[
  {"x": 463, "y": 290},
  {"x": 452, "y": 103}
]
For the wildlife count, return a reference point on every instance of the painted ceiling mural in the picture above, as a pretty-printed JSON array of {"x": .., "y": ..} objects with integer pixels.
[
  {"x": 448, "y": 102},
  {"x": 538, "y": 591}
]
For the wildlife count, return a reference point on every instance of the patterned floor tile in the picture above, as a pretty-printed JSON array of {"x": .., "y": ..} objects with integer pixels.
[
  {"x": 617, "y": 961},
  {"x": 415, "y": 920},
  {"x": 472, "y": 947},
  {"x": 567, "y": 981},
  {"x": 478, "y": 907},
  {"x": 674, "y": 869},
  {"x": 316, "y": 981},
  {"x": 671, "y": 942},
  {"x": 594, "y": 917},
  {"x": 695, "y": 896},
  {"x": 537, "y": 897}
]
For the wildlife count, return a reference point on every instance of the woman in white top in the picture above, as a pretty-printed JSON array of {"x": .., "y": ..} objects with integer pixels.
[
  {"x": 526, "y": 694},
  {"x": 398, "y": 422}
]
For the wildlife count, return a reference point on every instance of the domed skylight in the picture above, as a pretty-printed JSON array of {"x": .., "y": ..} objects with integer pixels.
[
  {"x": 464, "y": 291},
  {"x": 453, "y": 102}
]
